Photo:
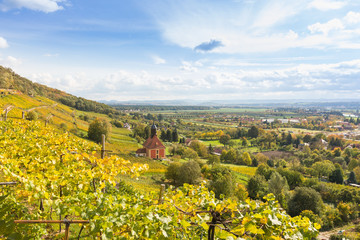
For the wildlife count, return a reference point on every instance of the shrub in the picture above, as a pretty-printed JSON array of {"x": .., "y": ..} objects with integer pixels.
[
  {"x": 97, "y": 128},
  {"x": 257, "y": 187},
  {"x": 304, "y": 198},
  {"x": 32, "y": 116}
]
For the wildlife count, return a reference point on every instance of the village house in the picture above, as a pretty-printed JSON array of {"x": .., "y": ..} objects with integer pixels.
[{"x": 152, "y": 147}]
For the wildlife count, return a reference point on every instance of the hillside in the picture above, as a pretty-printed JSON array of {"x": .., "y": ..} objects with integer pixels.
[
  {"x": 56, "y": 106},
  {"x": 10, "y": 80}
]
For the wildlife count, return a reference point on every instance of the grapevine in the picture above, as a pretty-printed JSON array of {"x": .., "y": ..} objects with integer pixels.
[{"x": 59, "y": 174}]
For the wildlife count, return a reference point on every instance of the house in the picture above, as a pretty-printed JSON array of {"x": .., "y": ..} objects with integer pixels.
[
  {"x": 152, "y": 147},
  {"x": 127, "y": 125}
]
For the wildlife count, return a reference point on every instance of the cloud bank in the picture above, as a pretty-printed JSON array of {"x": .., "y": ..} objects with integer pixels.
[
  {"x": 336, "y": 80},
  {"x": 3, "y": 43},
  {"x": 46, "y": 6}
]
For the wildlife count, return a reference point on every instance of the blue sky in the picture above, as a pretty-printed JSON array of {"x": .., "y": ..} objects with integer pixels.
[{"x": 186, "y": 49}]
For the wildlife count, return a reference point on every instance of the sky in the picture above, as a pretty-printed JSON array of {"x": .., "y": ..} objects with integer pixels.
[{"x": 186, "y": 49}]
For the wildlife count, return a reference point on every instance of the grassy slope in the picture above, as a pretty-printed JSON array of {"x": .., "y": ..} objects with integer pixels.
[{"x": 120, "y": 141}]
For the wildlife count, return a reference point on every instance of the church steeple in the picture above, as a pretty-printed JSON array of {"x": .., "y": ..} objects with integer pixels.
[{"x": 153, "y": 130}]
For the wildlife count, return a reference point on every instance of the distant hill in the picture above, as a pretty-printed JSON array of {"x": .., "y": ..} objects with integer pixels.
[{"x": 10, "y": 80}]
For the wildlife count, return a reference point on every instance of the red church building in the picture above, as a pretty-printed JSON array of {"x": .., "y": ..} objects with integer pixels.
[{"x": 153, "y": 147}]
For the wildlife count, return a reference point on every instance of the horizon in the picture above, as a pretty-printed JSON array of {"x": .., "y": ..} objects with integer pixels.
[{"x": 250, "y": 50}]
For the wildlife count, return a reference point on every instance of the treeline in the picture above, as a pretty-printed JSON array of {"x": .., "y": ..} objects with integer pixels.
[
  {"x": 10, "y": 80},
  {"x": 158, "y": 108}
]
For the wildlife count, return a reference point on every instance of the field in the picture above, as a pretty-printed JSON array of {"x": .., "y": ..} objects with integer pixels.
[
  {"x": 151, "y": 179},
  {"x": 243, "y": 173},
  {"x": 216, "y": 143}
]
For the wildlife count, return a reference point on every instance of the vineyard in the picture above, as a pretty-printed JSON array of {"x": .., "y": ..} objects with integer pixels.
[{"x": 61, "y": 177}]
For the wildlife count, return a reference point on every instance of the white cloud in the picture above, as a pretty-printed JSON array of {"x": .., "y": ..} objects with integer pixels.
[
  {"x": 276, "y": 11},
  {"x": 10, "y": 61},
  {"x": 158, "y": 60},
  {"x": 51, "y": 55},
  {"x": 188, "y": 67},
  {"x": 3, "y": 43},
  {"x": 325, "y": 5},
  {"x": 352, "y": 17},
  {"x": 258, "y": 27},
  {"x": 46, "y": 6},
  {"x": 294, "y": 82},
  {"x": 325, "y": 28}
]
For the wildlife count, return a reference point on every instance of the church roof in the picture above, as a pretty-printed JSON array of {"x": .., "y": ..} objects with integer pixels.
[{"x": 153, "y": 142}]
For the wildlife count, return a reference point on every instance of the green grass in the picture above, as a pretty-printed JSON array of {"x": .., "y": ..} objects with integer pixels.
[
  {"x": 250, "y": 171},
  {"x": 150, "y": 180}
]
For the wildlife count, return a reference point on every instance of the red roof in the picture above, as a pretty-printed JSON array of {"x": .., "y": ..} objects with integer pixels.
[
  {"x": 153, "y": 142},
  {"x": 141, "y": 150}
]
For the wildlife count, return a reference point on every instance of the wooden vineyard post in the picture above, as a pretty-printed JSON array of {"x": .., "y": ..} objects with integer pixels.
[
  {"x": 7, "y": 183},
  {"x": 102, "y": 146},
  {"x": 67, "y": 226},
  {"x": 7, "y": 109},
  {"x": 23, "y": 115},
  {"x": 65, "y": 221},
  {"x": 162, "y": 190}
]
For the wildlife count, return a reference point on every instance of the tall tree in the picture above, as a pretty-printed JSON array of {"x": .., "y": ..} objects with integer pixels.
[
  {"x": 175, "y": 135},
  {"x": 224, "y": 139},
  {"x": 169, "y": 135},
  {"x": 253, "y": 132},
  {"x": 163, "y": 135}
]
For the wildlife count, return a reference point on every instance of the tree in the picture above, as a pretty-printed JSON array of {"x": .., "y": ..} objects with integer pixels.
[
  {"x": 97, "y": 128},
  {"x": 210, "y": 149},
  {"x": 175, "y": 135},
  {"x": 213, "y": 159},
  {"x": 357, "y": 173},
  {"x": 352, "y": 178},
  {"x": 323, "y": 168},
  {"x": 246, "y": 159},
  {"x": 169, "y": 135},
  {"x": 279, "y": 187},
  {"x": 253, "y": 132},
  {"x": 222, "y": 181},
  {"x": 294, "y": 178},
  {"x": 256, "y": 187},
  {"x": 199, "y": 147},
  {"x": 224, "y": 139},
  {"x": 307, "y": 138},
  {"x": 163, "y": 135},
  {"x": 304, "y": 198},
  {"x": 172, "y": 172},
  {"x": 265, "y": 171},
  {"x": 289, "y": 139},
  {"x": 261, "y": 158},
  {"x": 189, "y": 172},
  {"x": 190, "y": 154},
  {"x": 336, "y": 176},
  {"x": 231, "y": 156}
]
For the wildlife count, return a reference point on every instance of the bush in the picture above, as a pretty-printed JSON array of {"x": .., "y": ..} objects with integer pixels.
[
  {"x": 97, "y": 128},
  {"x": 257, "y": 187},
  {"x": 172, "y": 172},
  {"x": 32, "y": 116},
  {"x": 222, "y": 181},
  {"x": 240, "y": 192},
  {"x": 189, "y": 172},
  {"x": 304, "y": 198}
]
